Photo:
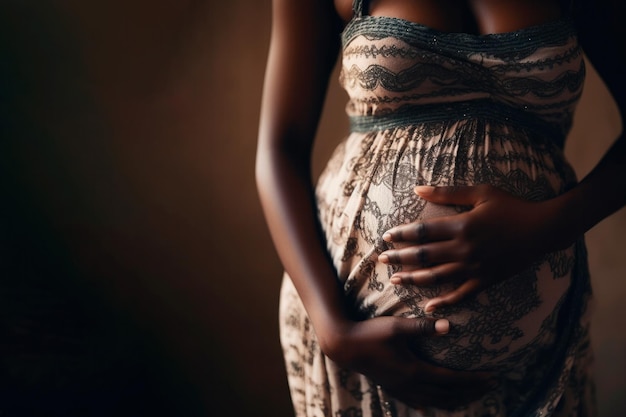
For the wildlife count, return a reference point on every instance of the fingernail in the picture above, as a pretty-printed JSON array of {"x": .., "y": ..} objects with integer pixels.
[
  {"x": 383, "y": 258},
  {"x": 442, "y": 326},
  {"x": 387, "y": 237},
  {"x": 425, "y": 189},
  {"x": 395, "y": 280}
]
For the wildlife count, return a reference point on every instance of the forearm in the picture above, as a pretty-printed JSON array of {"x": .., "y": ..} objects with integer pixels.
[
  {"x": 286, "y": 194},
  {"x": 601, "y": 193}
]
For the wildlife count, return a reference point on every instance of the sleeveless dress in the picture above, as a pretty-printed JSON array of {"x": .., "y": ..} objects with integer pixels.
[{"x": 437, "y": 108}]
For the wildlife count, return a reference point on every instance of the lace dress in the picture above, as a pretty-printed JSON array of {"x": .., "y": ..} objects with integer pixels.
[{"x": 436, "y": 108}]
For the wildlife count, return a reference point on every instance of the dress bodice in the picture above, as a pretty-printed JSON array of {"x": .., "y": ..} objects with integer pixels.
[{"x": 396, "y": 72}]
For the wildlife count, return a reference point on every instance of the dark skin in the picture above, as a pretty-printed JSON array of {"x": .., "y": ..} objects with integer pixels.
[{"x": 475, "y": 248}]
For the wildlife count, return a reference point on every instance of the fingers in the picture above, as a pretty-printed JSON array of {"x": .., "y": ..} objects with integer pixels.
[
  {"x": 415, "y": 255},
  {"x": 414, "y": 381},
  {"x": 419, "y": 327},
  {"x": 422, "y": 255},
  {"x": 411, "y": 232},
  {"x": 454, "y": 195},
  {"x": 440, "y": 274},
  {"x": 414, "y": 329},
  {"x": 469, "y": 287},
  {"x": 442, "y": 228}
]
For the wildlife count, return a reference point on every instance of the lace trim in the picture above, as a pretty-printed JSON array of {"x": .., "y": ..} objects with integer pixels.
[
  {"x": 508, "y": 46},
  {"x": 483, "y": 109}
]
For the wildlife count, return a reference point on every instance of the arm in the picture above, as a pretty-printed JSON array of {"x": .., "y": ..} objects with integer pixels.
[
  {"x": 602, "y": 35},
  {"x": 303, "y": 50},
  {"x": 483, "y": 246}
]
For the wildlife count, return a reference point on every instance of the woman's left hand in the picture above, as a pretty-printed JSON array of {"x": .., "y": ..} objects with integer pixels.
[{"x": 499, "y": 236}]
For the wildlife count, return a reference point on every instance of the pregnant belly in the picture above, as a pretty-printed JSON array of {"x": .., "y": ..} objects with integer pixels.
[
  {"x": 502, "y": 328},
  {"x": 367, "y": 188}
]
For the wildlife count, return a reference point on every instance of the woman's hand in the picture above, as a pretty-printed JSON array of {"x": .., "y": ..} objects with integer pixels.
[
  {"x": 380, "y": 348},
  {"x": 499, "y": 236}
]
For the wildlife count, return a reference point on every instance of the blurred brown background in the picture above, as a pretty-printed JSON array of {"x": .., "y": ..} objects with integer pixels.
[{"x": 128, "y": 140}]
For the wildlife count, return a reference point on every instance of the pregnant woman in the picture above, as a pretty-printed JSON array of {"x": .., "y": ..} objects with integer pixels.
[{"x": 438, "y": 266}]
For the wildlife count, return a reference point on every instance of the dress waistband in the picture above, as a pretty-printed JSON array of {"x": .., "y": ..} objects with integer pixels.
[{"x": 475, "y": 109}]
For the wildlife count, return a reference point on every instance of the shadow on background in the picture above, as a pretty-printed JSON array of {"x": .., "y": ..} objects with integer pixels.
[
  {"x": 117, "y": 297},
  {"x": 75, "y": 339}
]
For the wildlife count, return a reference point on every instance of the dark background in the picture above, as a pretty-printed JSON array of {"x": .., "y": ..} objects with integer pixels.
[{"x": 128, "y": 139}]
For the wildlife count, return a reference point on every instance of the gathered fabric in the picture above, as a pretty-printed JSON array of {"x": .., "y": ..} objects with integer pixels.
[{"x": 437, "y": 108}]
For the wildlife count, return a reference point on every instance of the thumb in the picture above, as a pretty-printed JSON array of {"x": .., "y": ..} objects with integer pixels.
[
  {"x": 460, "y": 195},
  {"x": 422, "y": 326}
]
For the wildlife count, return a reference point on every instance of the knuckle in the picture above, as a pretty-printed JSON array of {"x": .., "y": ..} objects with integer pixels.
[
  {"x": 415, "y": 231},
  {"x": 469, "y": 230},
  {"x": 395, "y": 257},
  {"x": 417, "y": 254},
  {"x": 433, "y": 277},
  {"x": 422, "y": 257},
  {"x": 420, "y": 232},
  {"x": 424, "y": 326},
  {"x": 396, "y": 329},
  {"x": 462, "y": 228},
  {"x": 466, "y": 252}
]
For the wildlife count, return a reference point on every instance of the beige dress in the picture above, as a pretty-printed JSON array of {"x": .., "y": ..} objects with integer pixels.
[{"x": 434, "y": 108}]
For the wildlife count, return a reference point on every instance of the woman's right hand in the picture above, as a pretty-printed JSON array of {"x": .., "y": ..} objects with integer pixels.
[{"x": 380, "y": 349}]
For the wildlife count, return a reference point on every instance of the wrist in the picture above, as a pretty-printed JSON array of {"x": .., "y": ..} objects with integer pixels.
[
  {"x": 564, "y": 222},
  {"x": 332, "y": 335}
]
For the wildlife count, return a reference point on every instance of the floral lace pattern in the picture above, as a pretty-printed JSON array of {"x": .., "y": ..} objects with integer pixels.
[{"x": 436, "y": 108}]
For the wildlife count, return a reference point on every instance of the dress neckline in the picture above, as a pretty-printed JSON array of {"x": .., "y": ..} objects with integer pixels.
[
  {"x": 421, "y": 26},
  {"x": 556, "y": 31}
]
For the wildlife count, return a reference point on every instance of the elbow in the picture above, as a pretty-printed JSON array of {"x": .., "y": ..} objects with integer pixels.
[
  {"x": 268, "y": 168},
  {"x": 280, "y": 162},
  {"x": 261, "y": 170}
]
